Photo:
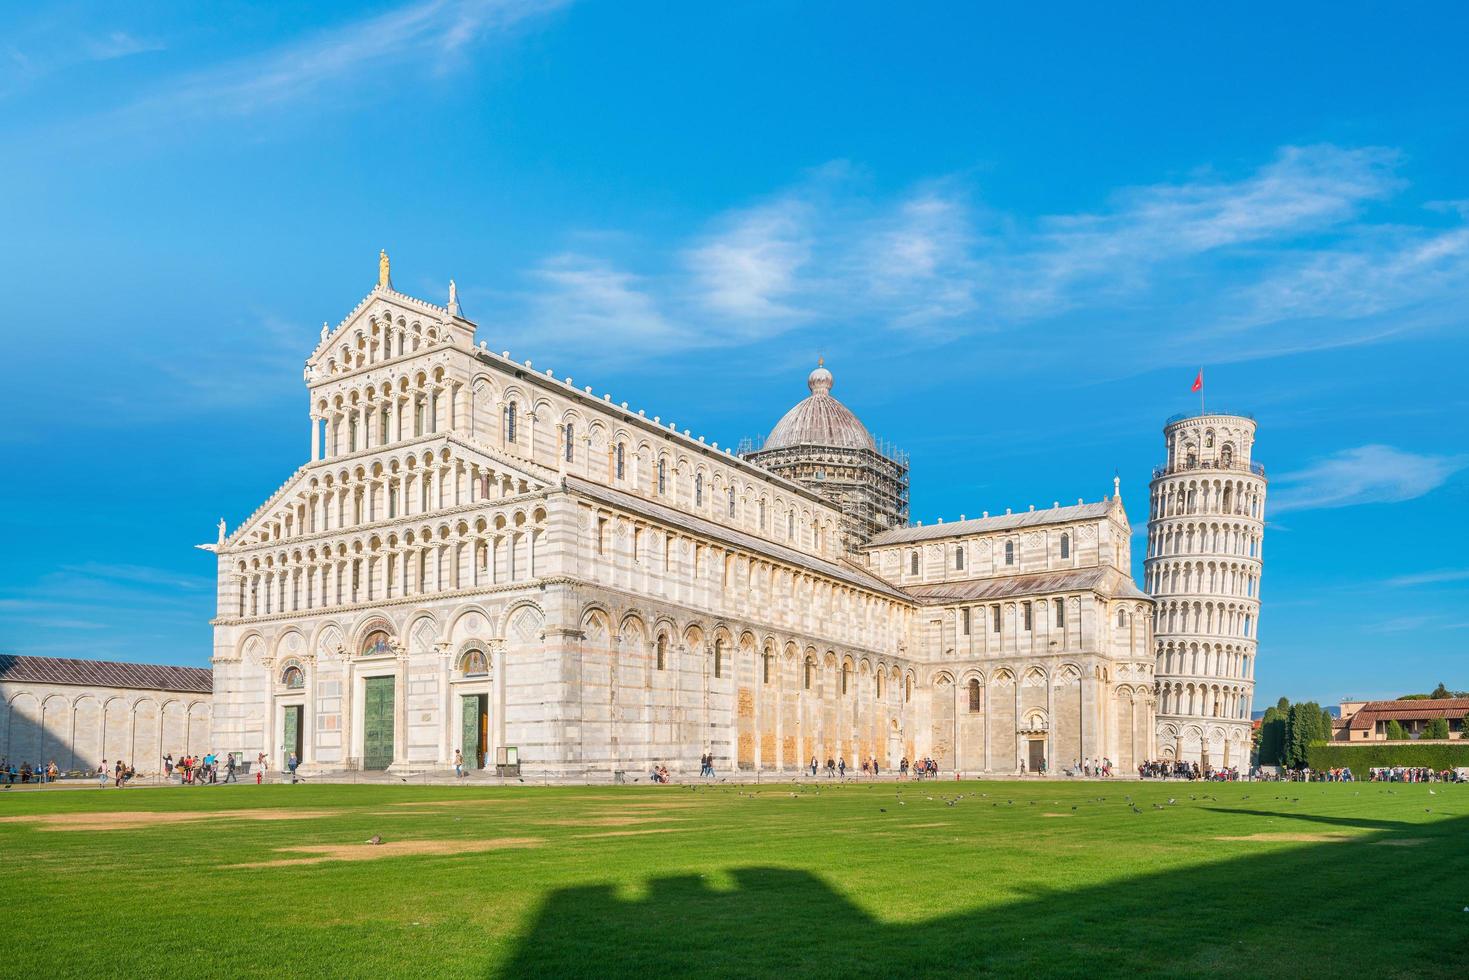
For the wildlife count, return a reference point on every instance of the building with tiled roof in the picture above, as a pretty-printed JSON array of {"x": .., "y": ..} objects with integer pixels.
[
  {"x": 1367, "y": 721},
  {"x": 79, "y": 713}
]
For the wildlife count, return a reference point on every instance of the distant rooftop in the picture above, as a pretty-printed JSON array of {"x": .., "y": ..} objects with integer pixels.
[{"x": 105, "y": 673}]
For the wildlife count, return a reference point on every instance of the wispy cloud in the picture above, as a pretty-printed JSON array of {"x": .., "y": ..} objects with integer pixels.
[
  {"x": 426, "y": 36},
  {"x": 1430, "y": 578},
  {"x": 1371, "y": 474},
  {"x": 1278, "y": 260}
]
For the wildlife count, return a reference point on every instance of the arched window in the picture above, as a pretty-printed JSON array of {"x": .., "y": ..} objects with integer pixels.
[
  {"x": 474, "y": 663},
  {"x": 662, "y": 651},
  {"x": 846, "y": 677},
  {"x": 913, "y": 563},
  {"x": 621, "y": 462},
  {"x": 1122, "y": 617},
  {"x": 1060, "y": 616},
  {"x": 959, "y": 558},
  {"x": 731, "y": 495},
  {"x": 376, "y": 644},
  {"x": 510, "y": 422},
  {"x": 976, "y": 697},
  {"x": 662, "y": 477},
  {"x": 908, "y": 687},
  {"x": 762, "y": 515},
  {"x": 964, "y": 621},
  {"x": 718, "y": 658},
  {"x": 570, "y": 442},
  {"x": 292, "y": 678},
  {"x": 809, "y": 674},
  {"x": 1226, "y": 456},
  {"x": 791, "y": 526},
  {"x": 1009, "y": 552},
  {"x": 995, "y": 616},
  {"x": 879, "y": 683},
  {"x": 765, "y": 659},
  {"x": 698, "y": 489},
  {"x": 1065, "y": 545}
]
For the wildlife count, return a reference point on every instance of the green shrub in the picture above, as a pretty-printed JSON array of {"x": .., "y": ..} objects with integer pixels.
[
  {"x": 1437, "y": 729},
  {"x": 1376, "y": 756},
  {"x": 1395, "y": 732}
]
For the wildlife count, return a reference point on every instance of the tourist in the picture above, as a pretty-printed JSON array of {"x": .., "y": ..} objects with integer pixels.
[
  {"x": 458, "y": 763},
  {"x": 291, "y": 764},
  {"x": 102, "y": 774},
  {"x": 117, "y": 772},
  {"x": 813, "y": 767},
  {"x": 168, "y": 766},
  {"x": 230, "y": 776},
  {"x": 842, "y": 767}
]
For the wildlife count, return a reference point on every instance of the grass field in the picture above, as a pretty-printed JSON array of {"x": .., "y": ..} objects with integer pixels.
[{"x": 1012, "y": 879}]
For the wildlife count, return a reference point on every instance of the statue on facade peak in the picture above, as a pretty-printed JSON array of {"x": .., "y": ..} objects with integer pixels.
[
  {"x": 221, "y": 530},
  {"x": 453, "y": 298},
  {"x": 324, "y": 331},
  {"x": 384, "y": 281}
]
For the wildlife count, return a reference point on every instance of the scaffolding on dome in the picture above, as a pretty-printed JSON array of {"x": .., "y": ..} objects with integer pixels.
[{"x": 869, "y": 487}]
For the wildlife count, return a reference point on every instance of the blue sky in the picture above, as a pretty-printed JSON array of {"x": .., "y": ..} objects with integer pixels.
[{"x": 1014, "y": 234}]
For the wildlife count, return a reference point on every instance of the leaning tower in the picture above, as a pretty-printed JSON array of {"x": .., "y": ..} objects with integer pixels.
[{"x": 1206, "y": 527}]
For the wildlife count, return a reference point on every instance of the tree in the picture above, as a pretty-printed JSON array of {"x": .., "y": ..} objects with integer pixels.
[
  {"x": 1394, "y": 732},
  {"x": 1440, "y": 692},
  {"x": 1272, "y": 737},
  {"x": 1436, "y": 729},
  {"x": 1305, "y": 725}
]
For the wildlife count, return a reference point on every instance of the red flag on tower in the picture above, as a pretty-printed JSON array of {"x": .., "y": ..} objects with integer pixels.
[{"x": 1198, "y": 381}]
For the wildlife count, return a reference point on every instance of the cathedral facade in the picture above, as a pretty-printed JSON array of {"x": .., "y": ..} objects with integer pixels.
[{"x": 479, "y": 557}]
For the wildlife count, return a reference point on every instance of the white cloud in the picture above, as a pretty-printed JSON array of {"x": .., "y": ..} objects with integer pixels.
[
  {"x": 1371, "y": 474},
  {"x": 1275, "y": 261},
  {"x": 424, "y": 33},
  {"x": 1430, "y": 578},
  {"x": 589, "y": 301}
]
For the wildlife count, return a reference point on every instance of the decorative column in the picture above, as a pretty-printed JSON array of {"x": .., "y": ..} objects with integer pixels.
[
  {"x": 400, "y": 708},
  {"x": 315, "y": 437}
]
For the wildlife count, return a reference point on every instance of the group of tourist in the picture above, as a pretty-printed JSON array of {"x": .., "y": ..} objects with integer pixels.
[
  {"x": 659, "y": 774},
  {"x": 1092, "y": 767},
  {"x": 197, "y": 770},
  {"x": 1418, "y": 774},
  {"x": 925, "y": 768},
  {"x": 1178, "y": 769},
  {"x": 706, "y": 764},
  {"x": 25, "y": 772}
]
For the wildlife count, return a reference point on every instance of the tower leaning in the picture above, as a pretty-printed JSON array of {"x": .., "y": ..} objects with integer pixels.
[{"x": 1206, "y": 526}]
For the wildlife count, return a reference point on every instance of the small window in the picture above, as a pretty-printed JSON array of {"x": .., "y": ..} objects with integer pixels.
[
  {"x": 959, "y": 558},
  {"x": 1060, "y": 612},
  {"x": 1122, "y": 617},
  {"x": 976, "y": 697},
  {"x": 570, "y": 442},
  {"x": 810, "y": 674},
  {"x": 964, "y": 621},
  {"x": 913, "y": 563},
  {"x": 621, "y": 462},
  {"x": 846, "y": 677},
  {"x": 510, "y": 422},
  {"x": 698, "y": 489},
  {"x": 765, "y": 668},
  {"x": 731, "y": 502},
  {"x": 908, "y": 687},
  {"x": 662, "y": 651},
  {"x": 996, "y": 611},
  {"x": 1009, "y": 552},
  {"x": 791, "y": 526},
  {"x": 1065, "y": 545},
  {"x": 662, "y": 477},
  {"x": 1026, "y": 608},
  {"x": 719, "y": 659}
]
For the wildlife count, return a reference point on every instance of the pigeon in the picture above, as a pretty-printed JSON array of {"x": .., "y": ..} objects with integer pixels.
[
  {"x": 882, "y": 809},
  {"x": 1432, "y": 793},
  {"x": 374, "y": 839},
  {"x": 1171, "y": 801}
]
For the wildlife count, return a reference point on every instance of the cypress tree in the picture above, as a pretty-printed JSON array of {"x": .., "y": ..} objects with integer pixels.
[{"x": 1437, "y": 728}]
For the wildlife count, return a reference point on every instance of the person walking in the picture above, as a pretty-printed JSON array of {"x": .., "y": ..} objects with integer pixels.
[
  {"x": 291, "y": 764},
  {"x": 459, "y": 763},
  {"x": 814, "y": 767},
  {"x": 230, "y": 775},
  {"x": 102, "y": 774}
]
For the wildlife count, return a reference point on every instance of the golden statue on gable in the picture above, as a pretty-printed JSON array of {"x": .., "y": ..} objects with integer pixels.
[{"x": 382, "y": 269}]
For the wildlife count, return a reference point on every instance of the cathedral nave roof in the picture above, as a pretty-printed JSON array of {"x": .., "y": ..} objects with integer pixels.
[
  {"x": 1001, "y": 522},
  {"x": 1107, "y": 581}
]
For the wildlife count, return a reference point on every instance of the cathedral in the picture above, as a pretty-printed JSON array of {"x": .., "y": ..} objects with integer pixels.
[{"x": 480, "y": 558}]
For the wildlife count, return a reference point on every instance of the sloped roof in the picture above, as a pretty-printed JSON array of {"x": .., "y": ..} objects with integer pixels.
[
  {"x": 1107, "y": 581},
  {"x": 843, "y": 571},
  {"x": 1003, "y": 522},
  {"x": 1417, "y": 710},
  {"x": 105, "y": 673}
]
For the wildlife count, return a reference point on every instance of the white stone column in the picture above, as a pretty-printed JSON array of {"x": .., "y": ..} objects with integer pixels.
[{"x": 315, "y": 438}]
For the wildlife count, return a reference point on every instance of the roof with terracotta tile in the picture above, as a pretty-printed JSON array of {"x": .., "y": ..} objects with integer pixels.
[
  {"x": 1416, "y": 710},
  {"x": 105, "y": 673}
]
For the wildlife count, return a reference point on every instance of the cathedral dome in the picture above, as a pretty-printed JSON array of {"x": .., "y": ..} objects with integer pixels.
[{"x": 820, "y": 420}]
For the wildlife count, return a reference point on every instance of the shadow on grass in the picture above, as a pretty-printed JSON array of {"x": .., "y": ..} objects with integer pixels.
[{"x": 1348, "y": 907}]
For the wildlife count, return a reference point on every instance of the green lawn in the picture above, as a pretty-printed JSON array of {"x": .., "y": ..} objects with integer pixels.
[{"x": 1014, "y": 879}]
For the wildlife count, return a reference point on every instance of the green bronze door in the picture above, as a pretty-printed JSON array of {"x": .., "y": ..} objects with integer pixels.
[
  {"x": 291, "y": 737},
  {"x": 469, "y": 732},
  {"x": 377, "y": 728}
]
